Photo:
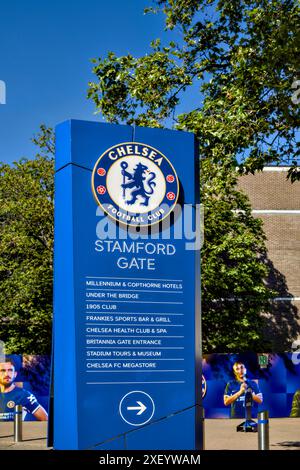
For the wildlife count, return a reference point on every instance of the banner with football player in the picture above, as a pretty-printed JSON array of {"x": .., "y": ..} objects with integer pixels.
[
  {"x": 274, "y": 384},
  {"x": 24, "y": 380}
]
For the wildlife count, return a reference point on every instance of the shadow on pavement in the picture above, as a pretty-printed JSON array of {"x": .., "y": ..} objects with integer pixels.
[{"x": 289, "y": 444}]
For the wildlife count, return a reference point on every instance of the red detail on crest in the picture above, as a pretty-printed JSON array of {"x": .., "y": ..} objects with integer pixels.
[
  {"x": 170, "y": 179},
  {"x": 101, "y": 172},
  {"x": 101, "y": 189},
  {"x": 170, "y": 196}
]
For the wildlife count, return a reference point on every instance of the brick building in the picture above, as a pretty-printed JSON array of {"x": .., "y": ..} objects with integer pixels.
[{"x": 277, "y": 202}]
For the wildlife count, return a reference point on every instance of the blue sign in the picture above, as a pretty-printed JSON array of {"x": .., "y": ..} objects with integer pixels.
[{"x": 127, "y": 363}]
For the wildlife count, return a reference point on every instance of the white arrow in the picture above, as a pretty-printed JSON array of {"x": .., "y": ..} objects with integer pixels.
[{"x": 141, "y": 408}]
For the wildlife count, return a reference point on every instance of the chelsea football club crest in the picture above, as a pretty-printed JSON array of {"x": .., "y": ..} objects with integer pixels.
[
  {"x": 135, "y": 184},
  {"x": 10, "y": 404}
]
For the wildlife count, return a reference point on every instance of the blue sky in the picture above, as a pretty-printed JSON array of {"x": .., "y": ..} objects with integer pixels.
[{"x": 45, "y": 47}]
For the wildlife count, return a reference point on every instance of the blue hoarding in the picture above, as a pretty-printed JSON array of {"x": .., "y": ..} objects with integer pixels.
[
  {"x": 278, "y": 382},
  {"x": 127, "y": 364}
]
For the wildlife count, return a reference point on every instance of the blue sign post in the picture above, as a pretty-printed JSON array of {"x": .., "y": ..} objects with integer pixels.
[{"x": 127, "y": 359}]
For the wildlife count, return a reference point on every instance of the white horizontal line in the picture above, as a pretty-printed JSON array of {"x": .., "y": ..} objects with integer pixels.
[
  {"x": 136, "y": 336},
  {"x": 133, "y": 371},
  {"x": 136, "y": 290},
  {"x": 133, "y": 359},
  {"x": 118, "y": 383},
  {"x": 276, "y": 168},
  {"x": 128, "y": 324},
  {"x": 286, "y": 298},
  {"x": 270, "y": 211},
  {"x": 132, "y": 347},
  {"x": 134, "y": 278},
  {"x": 132, "y": 301},
  {"x": 97, "y": 313}
]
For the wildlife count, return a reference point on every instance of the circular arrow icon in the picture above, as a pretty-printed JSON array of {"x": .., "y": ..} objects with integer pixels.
[{"x": 136, "y": 408}]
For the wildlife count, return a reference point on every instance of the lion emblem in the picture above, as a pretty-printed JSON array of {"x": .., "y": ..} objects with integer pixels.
[{"x": 136, "y": 183}]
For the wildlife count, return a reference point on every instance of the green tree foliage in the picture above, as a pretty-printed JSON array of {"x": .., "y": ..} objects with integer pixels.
[
  {"x": 26, "y": 244},
  {"x": 233, "y": 267},
  {"x": 241, "y": 57}
]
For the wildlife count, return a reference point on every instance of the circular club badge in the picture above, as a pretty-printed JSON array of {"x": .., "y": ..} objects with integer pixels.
[{"x": 135, "y": 184}]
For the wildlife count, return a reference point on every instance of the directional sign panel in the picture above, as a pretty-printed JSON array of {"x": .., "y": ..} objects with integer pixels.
[{"x": 127, "y": 289}]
